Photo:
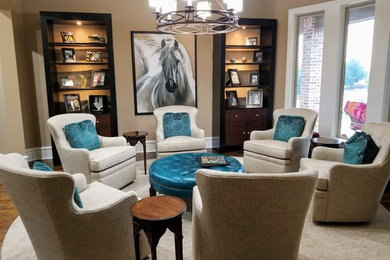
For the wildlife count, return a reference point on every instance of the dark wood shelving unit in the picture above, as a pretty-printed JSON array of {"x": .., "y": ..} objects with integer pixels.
[
  {"x": 80, "y": 73},
  {"x": 234, "y": 125}
]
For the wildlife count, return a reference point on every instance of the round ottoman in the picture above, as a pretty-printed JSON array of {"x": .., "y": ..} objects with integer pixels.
[{"x": 175, "y": 175}]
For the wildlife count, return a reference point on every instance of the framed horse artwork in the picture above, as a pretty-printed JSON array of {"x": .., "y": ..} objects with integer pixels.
[{"x": 164, "y": 70}]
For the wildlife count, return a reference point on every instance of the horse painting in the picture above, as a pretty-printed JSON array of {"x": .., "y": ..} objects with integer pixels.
[{"x": 163, "y": 72}]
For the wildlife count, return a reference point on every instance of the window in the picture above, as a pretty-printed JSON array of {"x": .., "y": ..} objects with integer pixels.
[
  {"x": 357, "y": 62},
  {"x": 310, "y": 41}
]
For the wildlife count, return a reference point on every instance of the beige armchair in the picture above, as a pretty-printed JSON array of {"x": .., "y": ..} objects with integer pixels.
[
  {"x": 249, "y": 216},
  {"x": 345, "y": 192},
  {"x": 178, "y": 144},
  {"x": 263, "y": 154},
  {"x": 113, "y": 164},
  {"x": 56, "y": 226}
]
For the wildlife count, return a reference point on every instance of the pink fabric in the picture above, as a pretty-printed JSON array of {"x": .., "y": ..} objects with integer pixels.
[{"x": 356, "y": 110}]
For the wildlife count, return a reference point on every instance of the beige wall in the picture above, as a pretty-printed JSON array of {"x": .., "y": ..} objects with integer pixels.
[
  {"x": 11, "y": 126},
  {"x": 134, "y": 15}
]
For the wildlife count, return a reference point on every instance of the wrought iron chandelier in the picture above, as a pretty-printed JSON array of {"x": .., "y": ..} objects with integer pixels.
[{"x": 196, "y": 20}]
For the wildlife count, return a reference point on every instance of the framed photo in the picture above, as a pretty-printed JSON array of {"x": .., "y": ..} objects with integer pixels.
[
  {"x": 72, "y": 103},
  {"x": 258, "y": 56},
  {"x": 233, "y": 76},
  {"x": 156, "y": 57},
  {"x": 99, "y": 78},
  {"x": 74, "y": 79},
  {"x": 97, "y": 103},
  {"x": 251, "y": 40},
  {"x": 254, "y": 79},
  {"x": 94, "y": 56},
  {"x": 68, "y": 55},
  {"x": 232, "y": 99},
  {"x": 67, "y": 37},
  {"x": 254, "y": 98}
]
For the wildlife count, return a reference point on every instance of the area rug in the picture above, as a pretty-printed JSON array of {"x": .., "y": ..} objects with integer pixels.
[{"x": 320, "y": 242}]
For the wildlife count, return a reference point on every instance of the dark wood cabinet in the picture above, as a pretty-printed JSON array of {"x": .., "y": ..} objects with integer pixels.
[
  {"x": 250, "y": 53},
  {"x": 79, "y": 67}
]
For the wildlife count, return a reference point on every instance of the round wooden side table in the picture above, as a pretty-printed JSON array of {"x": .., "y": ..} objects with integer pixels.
[
  {"x": 323, "y": 141},
  {"x": 154, "y": 215},
  {"x": 133, "y": 137}
]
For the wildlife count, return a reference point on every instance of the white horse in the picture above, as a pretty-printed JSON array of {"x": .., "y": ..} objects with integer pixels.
[{"x": 164, "y": 74}]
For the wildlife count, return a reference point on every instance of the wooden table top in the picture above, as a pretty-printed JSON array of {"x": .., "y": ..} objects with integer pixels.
[
  {"x": 158, "y": 208},
  {"x": 135, "y": 134}
]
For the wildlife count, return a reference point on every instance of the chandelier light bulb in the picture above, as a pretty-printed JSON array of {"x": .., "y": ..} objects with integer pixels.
[
  {"x": 189, "y": 2},
  {"x": 168, "y": 5},
  {"x": 155, "y": 4},
  {"x": 236, "y": 5}
]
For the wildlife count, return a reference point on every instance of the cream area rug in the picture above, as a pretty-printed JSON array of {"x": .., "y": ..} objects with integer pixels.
[{"x": 320, "y": 242}]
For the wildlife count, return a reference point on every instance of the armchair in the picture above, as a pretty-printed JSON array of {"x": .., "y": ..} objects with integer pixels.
[
  {"x": 56, "y": 227},
  {"x": 346, "y": 192},
  {"x": 178, "y": 144},
  {"x": 263, "y": 154},
  {"x": 112, "y": 164},
  {"x": 249, "y": 216}
]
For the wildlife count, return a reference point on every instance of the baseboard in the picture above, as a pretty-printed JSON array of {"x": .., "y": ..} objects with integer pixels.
[
  {"x": 39, "y": 153},
  {"x": 45, "y": 153}
]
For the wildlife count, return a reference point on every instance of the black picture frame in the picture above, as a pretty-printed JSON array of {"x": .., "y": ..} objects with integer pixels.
[
  {"x": 254, "y": 79},
  {"x": 233, "y": 77},
  {"x": 251, "y": 40},
  {"x": 99, "y": 78},
  {"x": 68, "y": 37},
  {"x": 231, "y": 98},
  {"x": 98, "y": 103},
  {"x": 72, "y": 103},
  {"x": 258, "y": 56},
  {"x": 145, "y": 42},
  {"x": 68, "y": 55}
]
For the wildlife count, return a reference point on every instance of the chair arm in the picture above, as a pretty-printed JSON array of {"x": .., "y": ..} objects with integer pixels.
[
  {"x": 197, "y": 132},
  {"x": 196, "y": 200},
  {"x": 75, "y": 160},
  {"x": 112, "y": 141},
  {"x": 80, "y": 181},
  {"x": 259, "y": 135},
  {"x": 328, "y": 154}
]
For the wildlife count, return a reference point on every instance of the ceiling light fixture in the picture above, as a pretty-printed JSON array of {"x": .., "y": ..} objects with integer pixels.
[{"x": 200, "y": 20}]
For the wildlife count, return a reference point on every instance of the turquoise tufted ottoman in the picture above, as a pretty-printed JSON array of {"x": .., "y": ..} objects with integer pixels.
[{"x": 175, "y": 175}]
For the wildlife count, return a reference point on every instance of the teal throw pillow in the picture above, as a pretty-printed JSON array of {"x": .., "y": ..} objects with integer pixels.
[
  {"x": 360, "y": 149},
  {"x": 40, "y": 166},
  {"x": 176, "y": 124},
  {"x": 82, "y": 135},
  {"x": 288, "y": 127}
]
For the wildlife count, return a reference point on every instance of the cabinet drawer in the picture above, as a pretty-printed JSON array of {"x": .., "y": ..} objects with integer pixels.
[
  {"x": 103, "y": 124},
  {"x": 235, "y": 115},
  {"x": 256, "y": 114}
]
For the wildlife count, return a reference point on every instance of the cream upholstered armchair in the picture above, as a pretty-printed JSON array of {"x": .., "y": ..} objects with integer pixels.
[
  {"x": 249, "y": 216},
  {"x": 263, "y": 154},
  {"x": 346, "y": 192},
  {"x": 56, "y": 227},
  {"x": 112, "y": 164},
  {"x": 195, "y": 143}
]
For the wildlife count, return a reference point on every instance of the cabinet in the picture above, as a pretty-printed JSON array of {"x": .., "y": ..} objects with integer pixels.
[
  {"x": 79, "y": 67},
  {"x": 243, "y": 81}
]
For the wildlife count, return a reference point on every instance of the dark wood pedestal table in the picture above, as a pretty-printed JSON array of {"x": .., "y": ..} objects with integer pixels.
[
  {"x": 154, "y": 215},
  {"x": 134, "y": 137},
  {"x": 323, "y": 141}
]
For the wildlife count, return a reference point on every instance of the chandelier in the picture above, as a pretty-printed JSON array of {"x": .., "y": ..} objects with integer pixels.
[{"x": 196, "y": 20}]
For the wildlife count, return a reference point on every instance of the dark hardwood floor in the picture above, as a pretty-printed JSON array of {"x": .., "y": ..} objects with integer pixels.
[{"x": 8, "y": 212}]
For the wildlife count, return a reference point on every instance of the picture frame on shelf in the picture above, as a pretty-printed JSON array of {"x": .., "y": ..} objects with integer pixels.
[
  {"x": 232, "y": 98},
  {"x": 254, "y": 79},
  {"x": 68, "y": 55},
  {"x": 67, "y": 37},
  {"x": 258, "y": 56},
  {"x": 251, "y": 40},
  {"x": 94, "y": 56},
  {"x": 74, "y": 79},
  {"x": 233, "y": 76},
  {"x": 67, "y": 83},
  {"x": 254, "y": 98},
  {"x": 99, "y": 78},
  {"x": 98, "y": 103},
  {"x": 72, "y": 103}
]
